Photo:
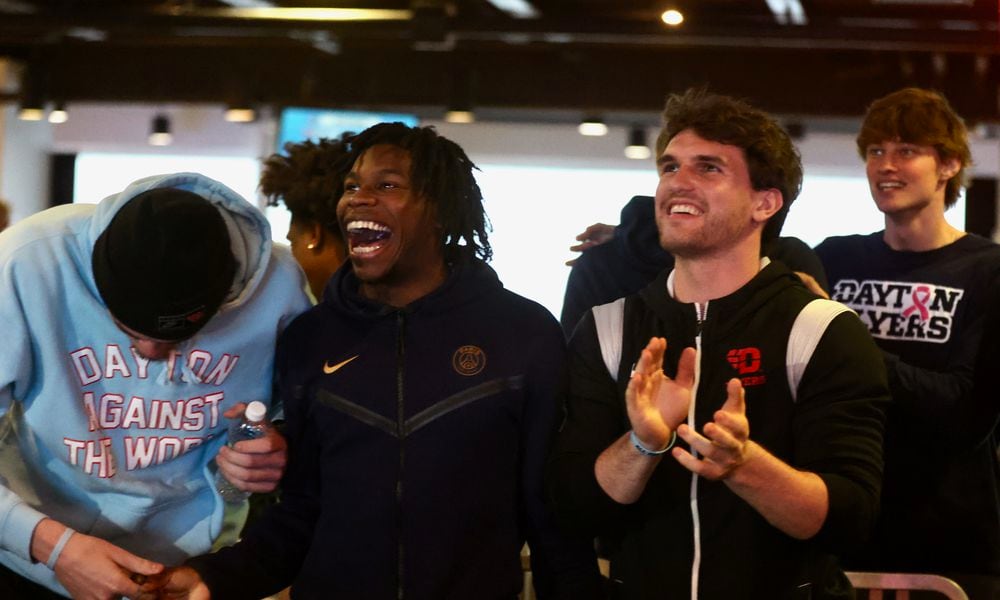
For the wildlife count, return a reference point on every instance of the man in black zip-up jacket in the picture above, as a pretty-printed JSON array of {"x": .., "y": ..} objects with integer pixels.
[
  {"x": 421, "y": 398},
  {"x": 768, "y": 474}
]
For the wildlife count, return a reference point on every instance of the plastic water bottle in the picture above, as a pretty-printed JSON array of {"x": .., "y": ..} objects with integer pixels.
[{"x": 252, "y": 426}]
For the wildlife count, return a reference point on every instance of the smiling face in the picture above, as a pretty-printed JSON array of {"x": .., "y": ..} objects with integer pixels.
[
  {"x": 394, "y": 242},
  {"x": 907, "y": 178},
  {"x": 705, "y": 201}
]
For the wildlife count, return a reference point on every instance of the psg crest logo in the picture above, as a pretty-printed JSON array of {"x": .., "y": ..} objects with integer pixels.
[{"x": 468, "y": 360}]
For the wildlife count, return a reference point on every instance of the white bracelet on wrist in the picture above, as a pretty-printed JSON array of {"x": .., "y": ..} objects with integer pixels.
[
  {"x": 646, "y": 451},
  {"x": 58, "y": 548}
]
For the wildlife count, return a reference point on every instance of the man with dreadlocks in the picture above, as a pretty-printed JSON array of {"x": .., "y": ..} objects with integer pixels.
[{"x": 420, "y": 398}]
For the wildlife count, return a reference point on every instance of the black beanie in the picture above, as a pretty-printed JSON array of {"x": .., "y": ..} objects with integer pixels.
[{"x": 164, "y": 264}]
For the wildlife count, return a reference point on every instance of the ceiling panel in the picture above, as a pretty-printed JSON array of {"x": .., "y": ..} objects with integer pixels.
[{"x": 577, "y": 55}]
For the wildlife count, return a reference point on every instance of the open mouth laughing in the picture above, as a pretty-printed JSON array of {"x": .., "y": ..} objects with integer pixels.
[
  {"x": 366, "y": 237},
  {"x": 683, "y": 208}
]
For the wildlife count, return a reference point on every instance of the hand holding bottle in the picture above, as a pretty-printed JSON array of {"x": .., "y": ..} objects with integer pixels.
[{"x": 252, "y": 463}]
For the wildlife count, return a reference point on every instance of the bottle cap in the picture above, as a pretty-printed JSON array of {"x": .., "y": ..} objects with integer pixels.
[{"x": 256, "y": 411}]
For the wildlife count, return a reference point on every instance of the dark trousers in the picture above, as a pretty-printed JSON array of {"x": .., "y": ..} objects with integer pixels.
[{"x": 15, "y": 587}]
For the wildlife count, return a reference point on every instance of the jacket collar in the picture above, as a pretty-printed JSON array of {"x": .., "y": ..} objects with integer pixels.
[
  {"x": 466, "y": 282},
  {"x": 772, "y": 279}
]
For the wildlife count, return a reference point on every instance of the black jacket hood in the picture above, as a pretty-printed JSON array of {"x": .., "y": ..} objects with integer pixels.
[{"x": 466, "y": 281}]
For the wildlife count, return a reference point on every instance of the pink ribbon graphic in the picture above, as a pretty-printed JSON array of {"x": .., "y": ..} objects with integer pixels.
[{"x": 920, "y": 296}]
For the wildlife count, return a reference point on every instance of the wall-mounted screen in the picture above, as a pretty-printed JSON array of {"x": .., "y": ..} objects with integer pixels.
[{"x": 300, "y": 124}]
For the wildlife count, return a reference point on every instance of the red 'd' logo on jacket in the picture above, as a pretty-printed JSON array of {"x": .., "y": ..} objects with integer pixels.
[{"x": 746, "y": 362}]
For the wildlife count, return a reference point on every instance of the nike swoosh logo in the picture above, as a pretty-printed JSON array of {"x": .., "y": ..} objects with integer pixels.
[{"x": 328, "y": 368}]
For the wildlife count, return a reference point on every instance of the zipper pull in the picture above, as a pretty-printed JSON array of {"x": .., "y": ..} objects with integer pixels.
[{"x": 701, "y": 312}]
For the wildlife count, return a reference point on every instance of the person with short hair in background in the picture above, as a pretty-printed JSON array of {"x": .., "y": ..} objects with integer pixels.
[
  {"x": 308, "y": 177},
  {"x": 930, "y": 296}
]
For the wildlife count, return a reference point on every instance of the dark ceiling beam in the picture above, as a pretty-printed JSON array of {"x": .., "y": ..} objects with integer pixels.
[
  {"x": 554, "y": 62},
  {"x": 815, "y": 83},
  {"x": 822, "y": 32}
]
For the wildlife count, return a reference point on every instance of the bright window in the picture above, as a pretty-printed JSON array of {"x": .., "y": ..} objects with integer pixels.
[
  {"x": 841, "y": 206},
  {"x": 99, "y": 175},
  {"x": 536, "y": 212}
]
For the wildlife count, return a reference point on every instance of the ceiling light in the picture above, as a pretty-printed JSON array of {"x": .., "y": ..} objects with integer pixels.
[
  {"x": 59, "y": 114},
  {"x": 32, "y": 106},
  {"x": 240, "y": 114},
  {"x": 788, "y": 12},
  {"x": 520, "y": 9},
  {"x": 637, "y": 148},
  {"x": 160, "y": 135},
  {"x": 32, "y": 102},
  {"x": 31, "y": 112},
  {"x": 458, "y": 115},
  {"x": 461, "y": 96},
  {"x": 592, "y": 126},
  {"x": 672, "y": 17},
  {"x": 294, "y": 14},
  {"x": 249, "y": 3}
]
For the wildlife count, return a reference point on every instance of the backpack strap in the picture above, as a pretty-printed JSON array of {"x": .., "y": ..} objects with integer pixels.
[
  {"x": 609, "y": 319},
  {"x": 807, "y": 330}
]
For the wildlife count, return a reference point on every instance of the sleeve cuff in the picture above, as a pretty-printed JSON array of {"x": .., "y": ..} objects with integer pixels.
[
  {"x": 850, "y": 516},
  {"x": 17, "y": 528}
]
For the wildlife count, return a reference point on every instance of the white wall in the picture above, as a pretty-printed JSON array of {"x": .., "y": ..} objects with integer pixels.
[
  {"x": 197, "y": 129},
  {"x": 24, "y": 163}
]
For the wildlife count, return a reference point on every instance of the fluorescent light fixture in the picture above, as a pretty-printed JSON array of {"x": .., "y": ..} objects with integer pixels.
[
  {"x": 160, "y": 135},
  {"x": 459, "y": 116},
  {"x": 788, "y": 12},
  {"x": 240, "y": 114},
  {"x": 638, "y": 152},
  {"x": 592, "y": 126},
  {"x": 249, "y": 3},
  {"x": 637, "y": 148},
  {"x": 31, "y": 113},
  {"x": 59, "y": 114},
  {"x": 521, "y": 9},
  {"x": 672, "y": 17},
  {"x": 297, "y": 14}
]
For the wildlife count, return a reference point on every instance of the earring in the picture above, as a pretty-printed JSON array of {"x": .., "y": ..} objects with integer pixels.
[{"x": 310, "y": 246}]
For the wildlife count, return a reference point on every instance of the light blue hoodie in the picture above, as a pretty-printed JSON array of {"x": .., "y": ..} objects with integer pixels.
[{"x": 95, "y": 436}]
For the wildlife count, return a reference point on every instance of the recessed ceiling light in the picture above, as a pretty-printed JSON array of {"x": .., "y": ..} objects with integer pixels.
[
  {"x": 459, "y": 116},
  {"x": 240, "y": 114},
  {"x": 59, "y": 114},
  {"x": 31, "y": 113},
  {"x": 592, "y": 126},
  {"x": 672, "y": 17},
  {"x": 637, "y": 148},
  {"x": 159, "y": 134}
]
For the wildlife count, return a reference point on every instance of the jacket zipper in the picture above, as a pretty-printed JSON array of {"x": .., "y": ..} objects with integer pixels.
[
  {"x": 400, "y": 420},
  {"x": 701, "y": 312}
]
